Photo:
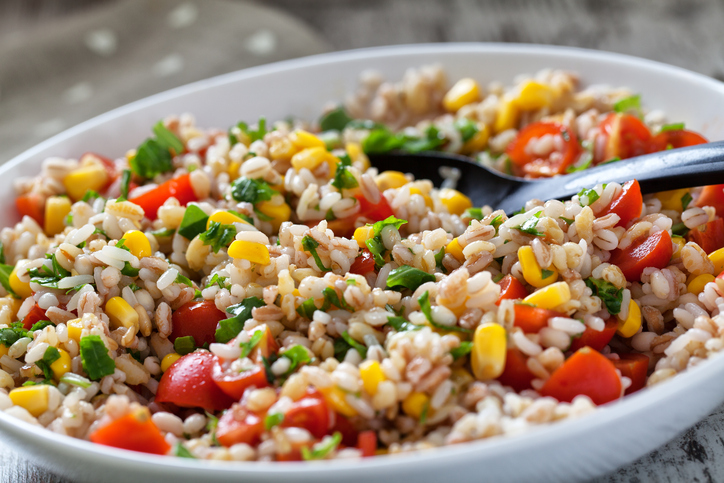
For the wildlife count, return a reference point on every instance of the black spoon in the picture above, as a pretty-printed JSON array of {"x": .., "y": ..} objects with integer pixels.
[{"x": 662, "y": 171}]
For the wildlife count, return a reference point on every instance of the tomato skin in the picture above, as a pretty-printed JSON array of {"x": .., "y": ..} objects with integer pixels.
[
  {"x": 627, "y": 205},
  {"x": 151, "y": 201},
  {"x": 367, "y": 443},
  {"x": 528, "y": 164},
  {"x": 516, "y": 373},
  {"x": 189, "y": 383},
  {"x": 35, "y": 315},
  {"x": 346, "y": 429},
  {"x": 679, "y": 138},
  {"x": 511, "y": 288},
  {"x": 296, "y": 452},
  {"x": 197, "y": 319},
  {"x": 378, "y": 212},
  {"x": 621, "y": 136},
  {"x": 586, "y": 372},
  {"x": 310, "y": 413},
  {"x": 134, "y": 431},
  {"x": 635, "y": 367},
  {"x": 710, "y": 237},
  {"x": 238, "y": 425},
  {"x": 648, "y": 251},
  {"x": 234, "y": 385},
  {"x": 595, "y": 339},
  {"x": 712, "y": 195},
  {"x": 32, "y": 205},
  {"x": 533, "y": 319},
  {"x": 364, "y": 263}
]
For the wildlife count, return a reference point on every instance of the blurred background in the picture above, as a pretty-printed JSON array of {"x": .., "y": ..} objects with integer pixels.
[{"x": 65, "y": 61}]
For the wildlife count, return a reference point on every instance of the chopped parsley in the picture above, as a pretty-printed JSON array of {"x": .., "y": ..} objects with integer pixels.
[
  {"x": 230, "y": 328},
  {"x": 587, "y": 197},
  {"x": 40, "y": 325},
  {"x": 91, "y": 195},
  {"x": 94, "y": 357},
  {"x": 184, "y": 345},
  {"x": 467, "y": 128},
  {"x": 375, "y": 244},
  {"x": 307, "y": 308},
  {"x": 529, "y": 225},
  {"x": 310, "y": 245},
  {"x": 679, "y": 229},
  {"x": 251, "y": 190},
  {"x": 51, "y": 355},
  {"x": 247, "y": 347},
  {"x": 438, "y": 260},
  {"x": 474, "y": 213},
  {"x": 218, "y": 236},
  {"x": 180, "y": 450},
  {"x": 273, "y": 419},
  {"x": 685, "y": 200},
  {"x": 10, "y": 335},
  {"x": 426, "y": 309},
  {"x": 672, "y": 127},
  {"x": 322, "y": 450},
  {"x": 5, "y": 271},
  {"x": 343, "y": 177},
  {"x": 409, "y": 277},
  {"x": 183, "y": 280},
  {"x": 581, "y": 167},
  {"x": 154, "y": 156},
  {"x": 382, "y": 140},
  {"x": 220, "y": 281},
  {"x": 48, "y": 277},
  {"x": 567, "y": 220},
  {"x": 125, "y": 183},
  {"x": 629, "y": 104},
  {"x": 193, "y": 222},
  {"x": 545, "y": 273},
  {"x": 336, "y": 120},
  {"x": 400, "y": 324},
  {"x": 607, "y": 292},
  {"x": 253, "y": 134},
  {"x": 75, "y": 380},
  {"x": 297, "y": 355}
]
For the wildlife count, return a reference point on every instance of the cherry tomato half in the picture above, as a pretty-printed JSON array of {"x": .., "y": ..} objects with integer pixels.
[
  {"x": 511, "y": 288},
  {"x": 712, "y": 195},
  {"x": 635, "y": 367},
  {"x": 532, "y": 319},
  {"x": 627, "y": 205},
  {"x": 239, "y": 425},
  {"x": 134, "y": 431},
  {"x": 527, "y": 161},
  {"x": 32, "y": 205},
  {"x": 235, "y": 383},
  {"x": 35, "y": 315},
  {"x": 586, "y": 372},
  {"x": 621, "y": 136},
  {"x": 364, "y": 263},
  {"x": 180, "y": 188},
  {"x": 647, "y": 251},
  {"x": 674, "y": 139},
  {"x": 710, "y": 236},
  {"x": 310, "y": 413},
  {"x": 516, "y": 373},
  {"x": 596, "y": 339},
  {"x": 196, "y": 319},
  {"x": 189, "y": 383}
]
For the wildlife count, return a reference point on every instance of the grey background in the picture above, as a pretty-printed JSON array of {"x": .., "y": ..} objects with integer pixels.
[{"x": 65, "y": 61}]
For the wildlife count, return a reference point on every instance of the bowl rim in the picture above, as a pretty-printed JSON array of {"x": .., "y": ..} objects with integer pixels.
[{"x": 491, "y": 447}]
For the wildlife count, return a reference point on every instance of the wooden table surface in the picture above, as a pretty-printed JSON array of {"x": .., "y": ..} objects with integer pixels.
[{"x": 64, "y": 61}]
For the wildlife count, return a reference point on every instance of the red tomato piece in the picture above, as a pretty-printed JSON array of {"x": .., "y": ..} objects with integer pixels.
[
  {"x": 712, "y": 195},
  {"x": 586, "y": 372},
  {"x": 377, "y": 212},
  {"x": 296, "y": 452},
  {"x": 532, "y": 319},
  {"x": 189, "y": 383},
  {"x": 367, "y": 443},
  {"x": 511, "y": 288},
  {"x": 346, "y": 429},
  {"x": 627, "y": 205},
  {"x": 635, "y": 367},
  {"x": 266, "y": 347},
  {"x": 197, "y": 319},
  {"x": 234, "y": 384},
  {"x": 596, "y": 339},
  {"x": 239, "y": 425},
  {"x": 516, "y": 373},
  {"x": 134, "y": 431},
  {"x": 35, "y": 315},
  {"x": 526, "y": 162},
  {"x": 364, "y": 263},
  {"x": 709, "y": 237},
  {"x": 621, "y": 136},
  {"x": 310, "y": 413},
  {"x": 648, "y": 251},
  {"x": 32, "y": 205},
  {"x": 151, "y": 201},
  {"x": 678, "y": 138}
]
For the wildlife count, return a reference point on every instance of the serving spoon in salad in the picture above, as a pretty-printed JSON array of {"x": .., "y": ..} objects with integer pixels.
[{"x": 661, "y": 171}]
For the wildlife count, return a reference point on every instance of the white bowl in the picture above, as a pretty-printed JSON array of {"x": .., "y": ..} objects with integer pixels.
[{"x": 575, "y": 449}]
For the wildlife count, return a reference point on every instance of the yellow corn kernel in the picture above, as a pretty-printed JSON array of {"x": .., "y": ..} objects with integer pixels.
[
  {"x": 252, "y": 251},
  {"x": 716, "y": 257},
  {"x": 32, "y": 398},
  {"x": 478, "y": 142},
  {"x": 282, "y": 150},
  {"x": 168, "y": 360},
  {"x": 130, "y": 154},
  {"x": 137, "y": 243},
  {"x": 4, "y": 350},
  {"x": 371, "y": 374},
  {"x": 278, "y": 213},
  {"x": 461, "y": 376},
  {"x": 534, "y": 95},
  {"x": 303, "y": 139},
  {"x": 92, "y": 176},
  {"x": 390, "y": 179},
  {"x": 632, "y": 324},
  {"x": 416, "y": 191},
  {"x": 362, "y": 234},
  {"x": 21, "y": 288},
  {"x": 225, "y": 218},
  {"x": 121, "y": 313},
  {"x": 62, "y": 365},
  {"x": 680, "y": 242},
  {"x": 488, "y": 355},
  {"x": 311, "y": 158},
  {"x": 234, "y": 170},
  {"x": 532, "y": 272},
  {"x": 335, "y": 397},
  {"x": 455, "y": 202},
  {"x": 696, "y": 286},
  {"x": 56, "y": 209},
  {"x": 454, "y": 249},
  {"x": 671, "y": 200},
  {"x": 75, "y": 327},
  {"x": 465, "y": 91},
  {"x": 550, "y": 297},
  {"x": 507, "y": 115},
  {"x": 13, "y": 304},
  {"x": 415, "y": 403},
  {"x": 355, "y": 153}
]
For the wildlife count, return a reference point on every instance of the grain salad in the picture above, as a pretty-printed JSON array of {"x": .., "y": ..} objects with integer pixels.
[{"x": 263, "y": 293}]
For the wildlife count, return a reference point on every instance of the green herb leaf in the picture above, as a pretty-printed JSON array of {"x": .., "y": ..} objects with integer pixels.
[
  {"x": 254, "y": 134},
  {"x": 400, "y": 324},
  {"x": 354, "y": 344},
  {"x": 184, "y": 345},
  {"x": 167, "y": 139},
  {"x": 425, "y": 410},
  {"x": 679, "y": 229},
  {"x": 591, "y": 195},
  {"x": 75, "y": 380},
  {"x": 230, "y": 328},
  {"x": 672, "y": 127},
  {"x": 125, "y": 183},
  {"x": 40, "y": 325},
  {"x": 251, "y": 190},
  {"x": 10, "y": 335},
  {"x": 336, "y": 119},
  {"x": 567, "y": 220},
  {"x": 151, "y": 158},
  {"x": 529, "y": 225},
  {"x": 438, "y": 260},
  {"x": 184, "y": 280},
  {"x": 474, "y": 213},
  {"x": 218, "y": 236},
  {"x": 545, "y": 273},
  {"x": 310, "y": 244},
  {"x": 165, "y": 233},
  {"x": 496, "y": 222},
  {"x": 193, "y": 222},
  {"x": 51, "y": 355},
  {"x": 498, "y": 278},
  {"x": 375, "y": 244},
  {"x": 180, "y": 450},
  {"x": 220, "y": 281},
  {"x": 343, "y": 177},
  {"x": 608, "y": 293},
  {"x": 5, "y": 271},
  {"x": 297, "y": 355},
  {"x": 321, "y": 450},
  {"x": 431, "y": 141},
  {"x": 94, "y": 357},
  {"x": 2, "y": 252},
  {"x": 685, "y": 200},
  {"x": 409, "y": 277},
  {"x": 247, "y": 347},
  {"x": 89, "y": 195},
  {"x": 467, "y": 128},
  {"x": 426, "y": 309},
  {"x": 629, "y": 104},
  {"x": 581, "y": 167},
  {"x": 273, "y": 419},
  {"x": 48, "y": 277},
  {"x": 307, "y": 308},
  {"x": 382, "y": 140},
  {"x": 332, "y": 299}
]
